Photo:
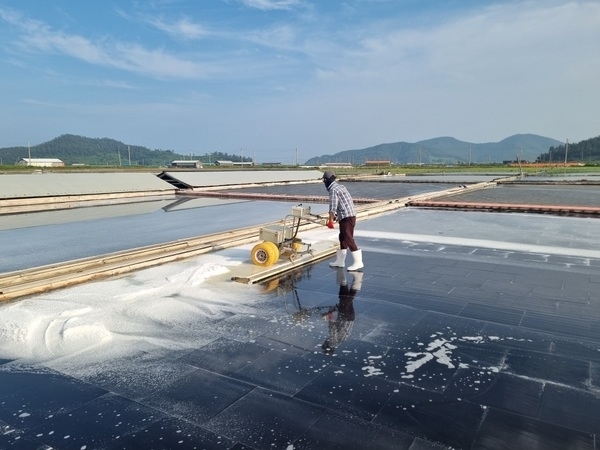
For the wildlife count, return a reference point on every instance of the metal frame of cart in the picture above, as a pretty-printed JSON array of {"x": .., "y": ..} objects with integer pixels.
[{"x": 283, "y": 240}]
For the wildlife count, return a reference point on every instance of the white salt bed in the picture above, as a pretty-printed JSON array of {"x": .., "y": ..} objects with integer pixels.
[
  {"x": 540, "y": 234},
  {"x": 170, "y": 307},
  {"x": 480, "y": 243}
]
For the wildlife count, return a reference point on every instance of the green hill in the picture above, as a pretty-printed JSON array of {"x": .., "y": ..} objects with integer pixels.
[
  {"x": 101, "y": 152},
  {"x": 585, "y": 151},
  {"x": 445, "y": 150}
]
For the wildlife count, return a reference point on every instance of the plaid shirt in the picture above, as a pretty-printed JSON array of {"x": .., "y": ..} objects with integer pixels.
[{"x": 340, "y": 201}]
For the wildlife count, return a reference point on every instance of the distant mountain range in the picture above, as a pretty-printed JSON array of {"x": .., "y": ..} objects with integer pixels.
[
  {"x": 446, "y": 150},
  {"x": 74, "y": 149}
]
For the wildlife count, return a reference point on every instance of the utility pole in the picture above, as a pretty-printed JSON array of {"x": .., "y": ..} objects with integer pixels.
[
  {"x": 520, "y": 167},
  {"x": 566, "y": 150},
  {"x": 129, "y": 152}
]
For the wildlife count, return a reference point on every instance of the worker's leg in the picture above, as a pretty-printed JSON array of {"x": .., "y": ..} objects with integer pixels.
[{"x": 347, "y": 234}]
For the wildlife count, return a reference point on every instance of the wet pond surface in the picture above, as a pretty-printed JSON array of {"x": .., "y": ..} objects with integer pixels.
[{"x": 459, "y": 333}]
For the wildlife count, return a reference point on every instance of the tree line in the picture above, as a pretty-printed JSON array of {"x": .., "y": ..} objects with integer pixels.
[{"x": 586, "y": 151}]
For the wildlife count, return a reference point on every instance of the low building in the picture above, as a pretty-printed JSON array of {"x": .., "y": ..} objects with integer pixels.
[
  {"x": 41, "y": 162},
  {"x": 378, "y": 163},
  {"x": 338, "y": 164},
  {"x": 228, "y": 163},
  {"x": 188, "y": 164}
]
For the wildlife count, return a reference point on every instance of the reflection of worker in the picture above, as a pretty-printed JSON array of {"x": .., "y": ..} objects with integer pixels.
[
  {"x": 340, "y": 328},
  {"x": 342, "y": 206}
]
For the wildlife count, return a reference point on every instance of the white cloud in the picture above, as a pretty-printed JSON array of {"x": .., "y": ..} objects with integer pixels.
[
  {"x": 486, "y": 45},
  {"x": 119, "y": 84},
  {"x": 280, "y": 36},
  {"x": 38, "y": 37},
  {"x": 157, "y": 63},
  {"x": 271, "y": 4},
  {"x": 181, "y": 29}
]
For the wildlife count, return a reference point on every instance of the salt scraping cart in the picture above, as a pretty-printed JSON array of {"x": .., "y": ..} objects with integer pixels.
[{"x": 282, "y": 240}]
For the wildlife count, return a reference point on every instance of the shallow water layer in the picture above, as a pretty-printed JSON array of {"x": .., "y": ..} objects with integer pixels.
[{"x": 464, "y": 330}]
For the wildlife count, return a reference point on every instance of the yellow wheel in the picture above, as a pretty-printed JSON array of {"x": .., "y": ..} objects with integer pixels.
[
  {"x": 264, "y": 254},
  {"x": 297, "y": 245}
]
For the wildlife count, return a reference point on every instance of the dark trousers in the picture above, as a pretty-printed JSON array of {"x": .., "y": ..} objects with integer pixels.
[
  {"x": 346, "y": 304},
  {"x": 347, "y": 234}
]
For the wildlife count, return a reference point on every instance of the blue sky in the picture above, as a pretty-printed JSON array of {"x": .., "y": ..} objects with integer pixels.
[{"x": 273, "y": 79}]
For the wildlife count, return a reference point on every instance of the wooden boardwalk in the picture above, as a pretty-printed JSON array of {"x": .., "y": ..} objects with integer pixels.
[
  {"x": 572, "y": 210},
  {"x": 272, "y": 197}
]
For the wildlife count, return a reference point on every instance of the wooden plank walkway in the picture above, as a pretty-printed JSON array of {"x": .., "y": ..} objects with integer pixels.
[
  {"x": 37, "y": 280},
  {"x": 272, "y": 197},
  {"x": 509, "y": 207}
]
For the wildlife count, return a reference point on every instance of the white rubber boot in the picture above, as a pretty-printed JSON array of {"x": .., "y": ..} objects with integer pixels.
[
  {"x": 356, "y": 260},
  {"x": 357, "y": 281},
  {"x": 340, "y": 259}
]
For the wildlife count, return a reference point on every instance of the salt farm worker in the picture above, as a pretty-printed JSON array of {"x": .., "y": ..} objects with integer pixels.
[{"x": 341, "y": 206}]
